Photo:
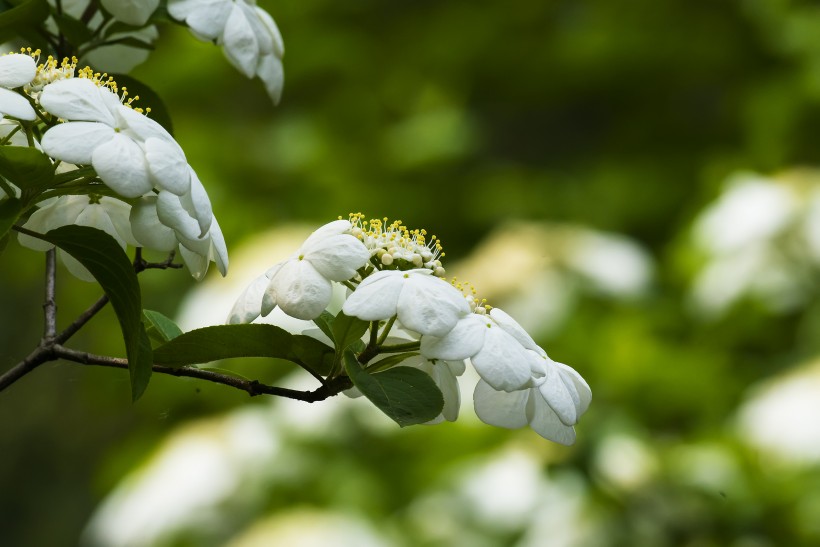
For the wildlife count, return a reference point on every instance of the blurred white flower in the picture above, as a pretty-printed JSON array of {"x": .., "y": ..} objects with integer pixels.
[
  {"x": 132, "y": 12},
  {"x": 16, "y": 70},
  {"x": 130, "y": 152},
  {"x": 548, "y": 266},
  {"x": 247, "y": 33},
  {"x": 779, "y": 417},
  {"x": 760, "y": 239},
  {"x": 301, "y": 285},
  {"x": 551, "y": 407},
  {"x": 423, "y": 303},
  {"x": 104, "y": 213}
]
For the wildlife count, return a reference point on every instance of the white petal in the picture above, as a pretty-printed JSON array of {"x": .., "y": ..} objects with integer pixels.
[
  {"x": 16, "y": 70},
  {"x": 554, "y": 391},
  {"x": 147, "y": 228},
  {"x": 206, "y": 18},
  {"x": 249, "y": 304},
  {"x": 268, "y": 298},
  {"x": 447, "y": 382},
  {"x": 569, "y": 375},
  {"x": 95, "y": 216},
  {"x": 120, "y": 163},
  {"x": 167, "y": 166},
  {"x": 75, "y": 142},
  {"x": 430, "y": 305},
  {"x": 197, "y": 203},
  {"x": 240, "y": 44},
  {"x": 512, "y": 327},
  {"x": 15, "y": 106},
  {"x": 264, "y": 38},
  {"x": 465, "y": 340},
  {"x": 172, "y": 214},
  {"x": 132, "y": 12},
  {"x": 338, "y": 257},
  {"x": 219, "y": 251},
  {"x": 272, "y": 74},
  {"x": 545, "y": 422},
  {"x": 141, "y": 128},
  {"x": 273, "y": 30},
  {"x": 119, "y": 213},
  {"x": 500, "y": 408},
  {"x": 74, "y": 267},
  {"x": 376, "y": 297},
  {"x": 76, "y": 99},
  {"x": 300, "y": 291},
  {"x": 337, "y": 227},
  {"x": 62, "y": 211},
  {"x": 196, "y": 263},
  {"x": 502, "y": 362}
]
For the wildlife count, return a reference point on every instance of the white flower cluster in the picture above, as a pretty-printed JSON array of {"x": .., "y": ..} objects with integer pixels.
[
  {"x": 761, "y": 240},
  {"x": 394, "y": 276},
  {"x": 247, "y": 33},
  {"x": 88, "y": 121}
]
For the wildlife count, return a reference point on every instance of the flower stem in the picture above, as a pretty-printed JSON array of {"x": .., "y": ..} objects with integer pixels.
[
  {"x": 386, "y": 330},
  {"x": 398, "y": 348}
]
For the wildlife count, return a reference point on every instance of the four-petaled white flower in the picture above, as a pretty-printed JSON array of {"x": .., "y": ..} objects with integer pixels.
[
  {"x": 168, "y": 222},
  {"x": 554, "y": 403},
  {"x": 423, "y": 303},
  {"x": 301, "y": 286},
  {"x": 107, "y": 214},
  {"x": 492, "y": 342},
  {"x": 249, "y": 36},
  {"x": 130, "y": 152},
  {"x": 16, "y": 70}
]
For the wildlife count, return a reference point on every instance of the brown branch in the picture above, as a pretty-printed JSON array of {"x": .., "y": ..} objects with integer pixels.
[
  {"x": 36, "y": 358},
  {"x": 251, "y": 387},
  {"x": 50, "y": 304}
]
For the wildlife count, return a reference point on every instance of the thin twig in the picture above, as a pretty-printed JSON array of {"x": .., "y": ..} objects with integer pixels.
[
  {"x": 83, "y": 318},
  {"x": 251, "y": 387},
  {"x": 50, "y": 304},
  {"x": 34, "y": 360}
]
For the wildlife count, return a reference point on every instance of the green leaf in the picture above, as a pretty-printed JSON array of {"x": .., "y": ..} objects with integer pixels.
[
  {"x": 27, "y": 14},
  {"x": 26, "y": 167},
  {"x": 347, "y": 330},
  {"x": 4, "y": 241},
  {"x": 164, "y": 328},
  {"x": 389, "y": 362},
  {"x": 110, "y": 266},
  {"x": 313, "y": 354},
  {"x": 224, "y": 342},
  {"x": 10, "y": 211},
  {"x": 148, "y": 99},
  {"x": 407, "y": 395},
  {"x": 324, "y": 322},
  {"x": 76, "y": 32}
]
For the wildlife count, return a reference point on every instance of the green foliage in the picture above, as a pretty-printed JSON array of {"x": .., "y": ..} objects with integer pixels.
[
  {"x": 112, "y": 269},
  {"x": 407, "y": 395},
  {"x": 347, "y": 331},
  {"x": 229, "y": 341},
  {"x": 10, "y": 211},
  {"x": 159, "y": 327},
  {"x": 27, "y": 168},
  {"x": 26, "y": 15}
]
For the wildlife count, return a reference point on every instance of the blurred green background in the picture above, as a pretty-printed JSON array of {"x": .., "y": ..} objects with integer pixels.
[{"x": 465, "y": 118}]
